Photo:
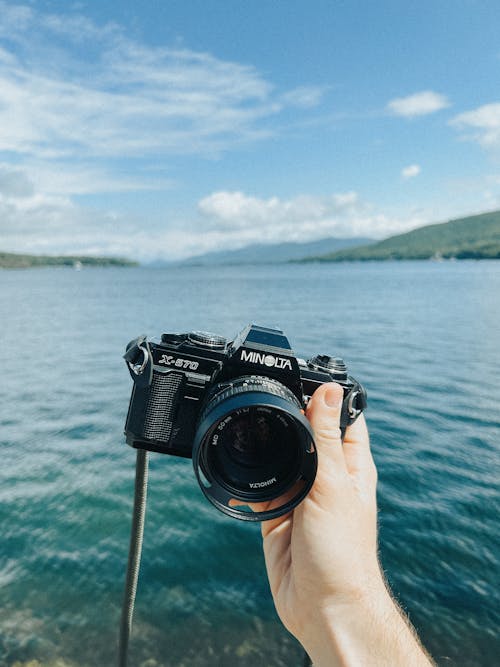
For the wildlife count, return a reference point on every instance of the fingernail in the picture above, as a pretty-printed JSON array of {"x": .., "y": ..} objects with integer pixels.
[{"x": 333, "y": 397}]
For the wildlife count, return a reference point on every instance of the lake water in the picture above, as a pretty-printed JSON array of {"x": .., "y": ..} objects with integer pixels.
[{"x": 423, "y": 337}]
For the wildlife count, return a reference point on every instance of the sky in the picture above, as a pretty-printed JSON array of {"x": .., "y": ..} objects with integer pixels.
[{"x": 165, "y": 129}]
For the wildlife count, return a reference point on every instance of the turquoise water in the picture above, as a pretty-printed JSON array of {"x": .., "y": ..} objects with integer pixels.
[{"x": 422, "y": 336}]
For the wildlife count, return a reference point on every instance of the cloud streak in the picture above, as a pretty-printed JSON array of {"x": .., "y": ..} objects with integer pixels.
[{"x": 138, "y": 100}]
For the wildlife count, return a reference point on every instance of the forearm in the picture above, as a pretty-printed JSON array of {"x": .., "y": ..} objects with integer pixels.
[{"x": 371, "y": 632}]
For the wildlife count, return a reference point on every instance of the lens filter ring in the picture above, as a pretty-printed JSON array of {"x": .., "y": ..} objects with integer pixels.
[{"x": 254, "y": 445}]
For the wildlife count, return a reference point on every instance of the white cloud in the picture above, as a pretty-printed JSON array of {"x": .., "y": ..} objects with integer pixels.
[
  {"x": 137, "y": 101},
  {"x": 481, "y": 124},
  {"x": 235, "y": 210},
  {"x": 33, "y": 222},
  {"x": 52, "y": 224},
  {"x": 418, "y": 104},
  {"x": 410, "y": 171},
  {"x": 247, "y": 219}
]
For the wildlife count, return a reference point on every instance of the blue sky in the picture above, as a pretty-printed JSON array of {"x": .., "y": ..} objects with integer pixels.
[{"x": 165, "y": 129}]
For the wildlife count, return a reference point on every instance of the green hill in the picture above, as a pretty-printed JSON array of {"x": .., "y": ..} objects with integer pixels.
[
  {"x": 474, "y": 237},
  {"x": 15, "y": 261}
]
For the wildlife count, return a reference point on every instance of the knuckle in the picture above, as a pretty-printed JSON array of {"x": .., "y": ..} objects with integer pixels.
[{"x": 327, "y": 433}]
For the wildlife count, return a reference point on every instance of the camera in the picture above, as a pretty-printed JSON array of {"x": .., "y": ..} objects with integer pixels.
[{"x": 236, "y": 408}]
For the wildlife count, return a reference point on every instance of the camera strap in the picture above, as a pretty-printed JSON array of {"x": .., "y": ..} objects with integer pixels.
[{"x": 134, "y": 554}]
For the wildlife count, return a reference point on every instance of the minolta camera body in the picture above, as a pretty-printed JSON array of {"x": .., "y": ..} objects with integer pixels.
[{"x": 237, "y": 409}]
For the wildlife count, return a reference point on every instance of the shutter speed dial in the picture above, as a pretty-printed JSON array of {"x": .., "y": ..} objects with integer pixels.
[
  {"x": 207, "y": 339},
  {"x": 334, "y": 365}
]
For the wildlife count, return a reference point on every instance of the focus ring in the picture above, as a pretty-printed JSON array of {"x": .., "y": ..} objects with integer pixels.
[{"x": 246, "y": 384}]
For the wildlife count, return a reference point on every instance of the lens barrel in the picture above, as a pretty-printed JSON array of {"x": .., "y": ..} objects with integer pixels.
[{"x": 253, "y": 445}]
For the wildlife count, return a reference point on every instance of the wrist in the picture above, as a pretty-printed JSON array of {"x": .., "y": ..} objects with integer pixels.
[
  {"x": 336, "y": 624},
  {"x": 367, "y": 629}
]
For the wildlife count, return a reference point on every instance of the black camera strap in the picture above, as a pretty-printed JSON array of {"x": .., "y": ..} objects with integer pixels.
[{"x": 134, "y": 554}]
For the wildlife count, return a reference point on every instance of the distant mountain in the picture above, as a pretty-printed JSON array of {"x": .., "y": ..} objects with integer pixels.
[
  {"x": 474, "y": 237},
  {"x": 15, "y": 261},
  {"x": 270, "y": 253}
]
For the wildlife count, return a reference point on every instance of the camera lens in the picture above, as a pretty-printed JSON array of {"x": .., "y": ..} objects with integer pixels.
[{"x": 254, "y": 445}]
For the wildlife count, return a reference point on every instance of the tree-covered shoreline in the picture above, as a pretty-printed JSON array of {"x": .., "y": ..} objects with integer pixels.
[
  {"x": 473, "y": 237},
  {"x": 18, "y": 261}
]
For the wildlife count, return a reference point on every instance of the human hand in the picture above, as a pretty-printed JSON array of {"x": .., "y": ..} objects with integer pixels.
[
  {"x": 321, "y": 559},
  {"x": 324, "y": 553}
]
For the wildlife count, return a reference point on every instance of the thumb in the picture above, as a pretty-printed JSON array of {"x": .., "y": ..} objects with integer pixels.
[{"x": 323, "y": 411}]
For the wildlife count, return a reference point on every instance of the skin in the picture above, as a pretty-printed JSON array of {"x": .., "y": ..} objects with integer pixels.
[{"x": 322, "y": 562}]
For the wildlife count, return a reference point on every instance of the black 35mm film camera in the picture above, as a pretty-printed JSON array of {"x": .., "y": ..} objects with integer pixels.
[{"x": 235, "y": 408}]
